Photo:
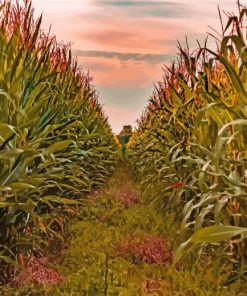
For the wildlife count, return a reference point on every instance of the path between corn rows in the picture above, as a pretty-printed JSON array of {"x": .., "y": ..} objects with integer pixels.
[{"x": 116, "y": 248}]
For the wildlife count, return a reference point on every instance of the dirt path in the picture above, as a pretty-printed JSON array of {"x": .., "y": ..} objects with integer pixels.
[{"x": 118, "y": 247}]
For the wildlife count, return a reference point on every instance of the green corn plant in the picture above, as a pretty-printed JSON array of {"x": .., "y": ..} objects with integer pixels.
[
  {"x": 55, "y": 142},
  {"x": 189, "y": 150}
]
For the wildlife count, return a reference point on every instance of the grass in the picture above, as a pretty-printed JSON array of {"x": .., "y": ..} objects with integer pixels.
[
  {"x": 107, "y": 251},
  {"x": 93, "y": 263},
  {"x": 107, "y": 221}
]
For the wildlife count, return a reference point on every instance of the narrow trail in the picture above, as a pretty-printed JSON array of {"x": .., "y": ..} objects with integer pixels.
[{"x": 118, "y": 246}]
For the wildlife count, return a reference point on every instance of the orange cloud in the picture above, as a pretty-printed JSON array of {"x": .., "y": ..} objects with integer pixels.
[
  {"x": 125, "y": 43},
  {"x": 114, "y": 72}
]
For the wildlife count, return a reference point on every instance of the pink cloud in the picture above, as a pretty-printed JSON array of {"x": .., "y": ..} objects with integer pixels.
[
  {"x": 114, "y": 72},
  {"x": 92, "y": 25}
]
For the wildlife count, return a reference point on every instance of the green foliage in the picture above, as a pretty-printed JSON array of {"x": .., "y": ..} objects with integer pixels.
[
  {"x": 92, "y": 265},
  {"x": 55, "y": 142},
  {"x": 104, "y": 223},
  {"x": 189, "y": 151}
]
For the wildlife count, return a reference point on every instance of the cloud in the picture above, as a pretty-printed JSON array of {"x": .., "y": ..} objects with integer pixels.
[
  {"x": 136, "y": 8},
  {"x": 123, "y": 74},
  {"x": 123, "y": 97},
  {"x": 125, "y": 43},
  {"x": 135, "y": 3},
  {"x": 110, "y": 37},
  {"x": 149, "y": 58}
]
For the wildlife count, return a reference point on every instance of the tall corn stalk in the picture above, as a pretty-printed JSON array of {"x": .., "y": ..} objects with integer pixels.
[
  {"x": 55, "y": 142},
  {"x": 189, "y": 150}
]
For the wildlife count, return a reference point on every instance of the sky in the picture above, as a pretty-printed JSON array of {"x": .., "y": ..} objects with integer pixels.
[{"x": 125, "y": 44}]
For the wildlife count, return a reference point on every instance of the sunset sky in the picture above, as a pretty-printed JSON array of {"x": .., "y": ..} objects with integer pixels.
[{"x": 125, "y": 44}]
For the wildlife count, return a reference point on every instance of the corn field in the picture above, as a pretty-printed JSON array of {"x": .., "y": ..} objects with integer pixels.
[
  {"x": 180, "y": 229},
  {"x": 55, "y": 142},
  {"x": 190, "y": 152}
]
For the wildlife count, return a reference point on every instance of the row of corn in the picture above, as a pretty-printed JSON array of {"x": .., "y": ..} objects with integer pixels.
[
  {"x": 55, "y": 142},
  {"x": 190, "y": 151}
]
